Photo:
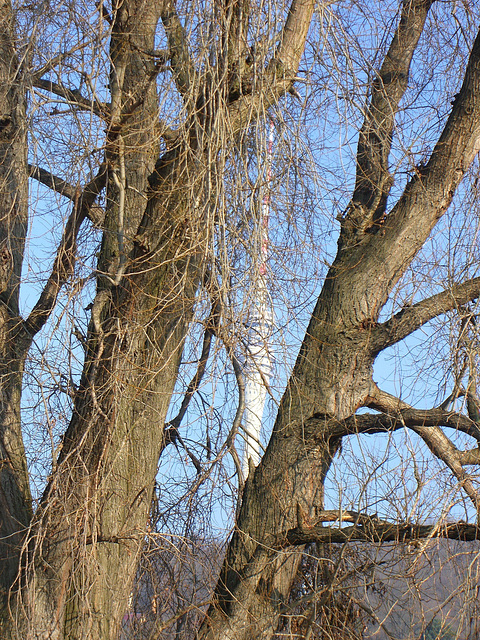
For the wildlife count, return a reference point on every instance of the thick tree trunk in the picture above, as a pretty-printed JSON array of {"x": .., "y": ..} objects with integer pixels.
[
  {"x": 90, "y": 527},
  {"x": 97, "y": 505},
  {"x": 15, "y": 498}
]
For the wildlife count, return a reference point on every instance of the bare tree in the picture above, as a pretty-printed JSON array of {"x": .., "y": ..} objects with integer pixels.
[{"x": 141, "y": 116}]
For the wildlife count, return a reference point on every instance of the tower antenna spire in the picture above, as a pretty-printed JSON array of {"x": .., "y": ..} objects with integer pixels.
[{"x": 258, "y": 362}]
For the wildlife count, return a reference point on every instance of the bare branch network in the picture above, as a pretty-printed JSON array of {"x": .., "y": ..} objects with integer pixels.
[{"x": 205, "y": 208}]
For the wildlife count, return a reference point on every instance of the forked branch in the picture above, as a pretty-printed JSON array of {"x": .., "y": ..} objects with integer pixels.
[
  {"x": 94, "y": 213},
  {"x": 281, "y": 71},
  {"x": 429, "y": 193},
  {"x": 433, "y": 436},
  {"x": 397, "y": 414},
  {"x": 373, "y": 180}
]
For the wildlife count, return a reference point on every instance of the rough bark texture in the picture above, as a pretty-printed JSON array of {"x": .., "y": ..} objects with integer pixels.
[
  {"x": 97, "y": 504},
  {"x": 15, "y": 499}
]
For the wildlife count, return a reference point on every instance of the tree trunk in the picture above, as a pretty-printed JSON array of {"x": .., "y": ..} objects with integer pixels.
[
  {"x": 15, "y": 498},
  {"x": 288, "y": 484},
  {"x": 90, "y": 527},
  {"x": 332, "y": 377}
]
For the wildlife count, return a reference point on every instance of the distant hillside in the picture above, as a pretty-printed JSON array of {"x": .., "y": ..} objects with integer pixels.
[
  {"x": 425, "y": 592},
  {"x": 411, "y": 586}
]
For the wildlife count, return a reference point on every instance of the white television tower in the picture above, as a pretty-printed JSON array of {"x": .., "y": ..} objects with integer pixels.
[{"x": 258, "y": 363}]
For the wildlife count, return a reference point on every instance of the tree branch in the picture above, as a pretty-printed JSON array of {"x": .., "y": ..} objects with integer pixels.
[
  {"x": 396, "y": 414},
  {"x": 53, "y": 182},
  {"x": 74, "y": 97},
  {"x": 429, "y": 193},
  {"x": 171, "y": 433},
  {"x": 425, "y": 422},
  {"x": 55, "y": 61},
  {"x": 375, "y": 262},
  {"x": 281, "y": 71},
  {"x": 432, "y": 435},
  {"x": 469, "y": 457},
  {"x": 473, "y": 406},
  {"x": 180, "y": 59},
  {"x": 371, "y": 423},
  {"x": 294, "y": 34},
  {"x": 383, "y": 401},
  {"x": 237, "y": 421},
  {"x": 409, "y": 319},
  {"x": 94, "y": 213},
  {"x": 65, "y": 259},
  {"x": 104, "y": 12},
  {"x": 373, "y": 180},
  {"x": 236, "y": 28},
  {"x": 373, "y": 530},
  {"x": 195, "y": 461}
]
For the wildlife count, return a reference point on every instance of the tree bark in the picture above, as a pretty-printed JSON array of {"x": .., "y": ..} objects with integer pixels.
[
  {"x": 89, "y": 528},
  {"x": 15, "y": 498}
]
